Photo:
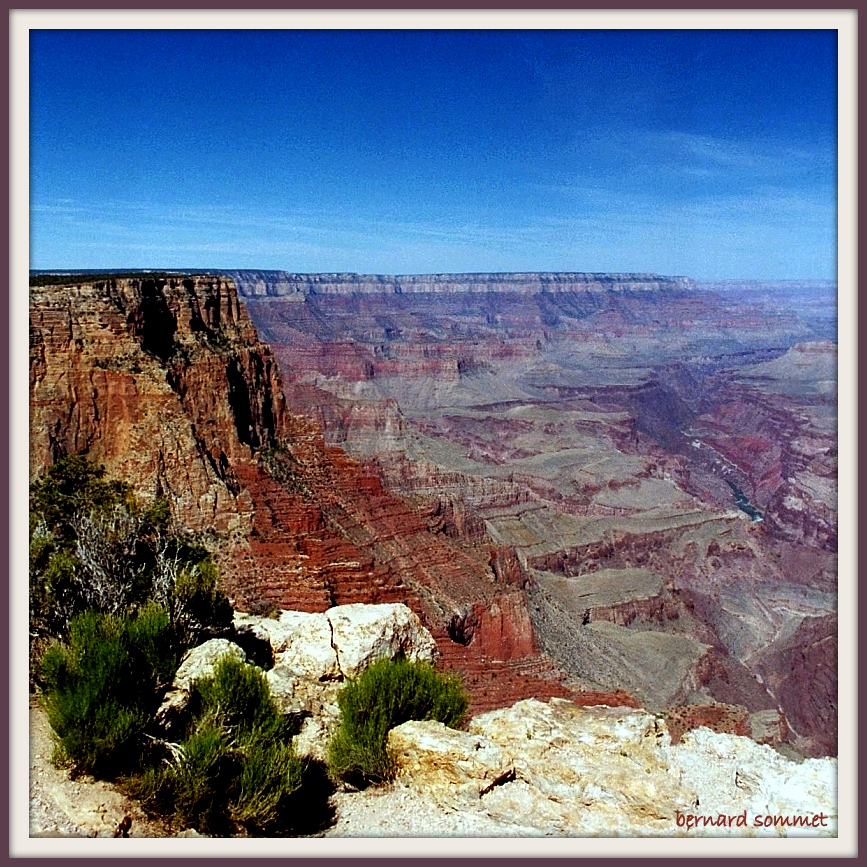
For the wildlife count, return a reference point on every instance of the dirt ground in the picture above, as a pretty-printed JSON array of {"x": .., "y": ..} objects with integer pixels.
[{"x": 62, "y": 807}]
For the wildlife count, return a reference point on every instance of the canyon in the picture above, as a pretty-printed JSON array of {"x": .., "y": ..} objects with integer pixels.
[
  {"x": 651, "y": 460},
  {"x": 542, "y": 466}
]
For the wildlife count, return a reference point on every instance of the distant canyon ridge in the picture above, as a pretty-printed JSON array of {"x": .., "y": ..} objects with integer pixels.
[{"x": 619, "y": 488}]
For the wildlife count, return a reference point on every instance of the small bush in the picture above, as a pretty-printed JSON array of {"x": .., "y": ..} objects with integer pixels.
[
  {"x": 271, "y": 773},
  {"x": 101, "y": 686},
  {"x": 387, "y": 694},
  {"x": 200, "y": 781},
  {"x": 237, "y": 763},
  {"x": 238, "y": 696}
]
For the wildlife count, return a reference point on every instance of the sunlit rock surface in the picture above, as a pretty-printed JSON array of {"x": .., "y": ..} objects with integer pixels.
[
  {"x": 569, "y": 771},
  {"x": 314, "y": 654},
  {"x": 166, "y": 383}
]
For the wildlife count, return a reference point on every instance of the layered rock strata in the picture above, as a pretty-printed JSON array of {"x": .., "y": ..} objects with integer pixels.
[
  {"x": 574, "y": 424},
  {"x": 165, "y": 383},
  {"x": 271, "y": 284}
]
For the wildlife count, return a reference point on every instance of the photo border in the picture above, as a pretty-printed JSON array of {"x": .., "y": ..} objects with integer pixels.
[{"x": 22, "y": 20}]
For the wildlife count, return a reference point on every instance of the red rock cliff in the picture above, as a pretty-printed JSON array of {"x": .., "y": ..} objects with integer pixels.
[
  {"x": 166, "y": 383},
  {"x": 163, "y": 382}
]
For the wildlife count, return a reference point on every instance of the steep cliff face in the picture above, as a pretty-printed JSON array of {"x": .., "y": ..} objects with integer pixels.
[{"x": 166, "y": 383}]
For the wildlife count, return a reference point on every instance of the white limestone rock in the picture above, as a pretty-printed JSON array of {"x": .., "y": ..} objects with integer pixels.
[
  {"x": 612, "y": 772},
  {"x": 735, "y": 773},
  {"x": 314, "y": 655},
  {"x": 364, "y": 634},
  {"x": 450, "y": 761},
  {"x": 200, "y": 661},
  {"x": 303, "y": 646},
  {"x": 300, "y": 642}
]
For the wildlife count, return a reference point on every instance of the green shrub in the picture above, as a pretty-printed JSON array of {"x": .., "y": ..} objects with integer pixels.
[
  {"x": 196, "y": 606},
  {"x": 201, "y": 779},
  {"x": 237, "y": 764},
  {"x": 270, "y": 775},
  {"x": 74, "y": 484},
  {"x": 151, "y": 637},
  {"x": 101, "y": 686},
  {"x": 387, "y": 694},
  {"x": 93, "y": 547},
  {"x": 237, "y": 695}
]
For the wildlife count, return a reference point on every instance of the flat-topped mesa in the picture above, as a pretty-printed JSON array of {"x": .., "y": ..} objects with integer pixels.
[{"x": 283, "y": 284}]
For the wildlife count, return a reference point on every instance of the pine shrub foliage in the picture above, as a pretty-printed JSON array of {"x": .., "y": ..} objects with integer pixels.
[
  {"x": 102, "y": 686},
  {"x": 237, "y": 765},
  {"x": 390, "y": 692}
]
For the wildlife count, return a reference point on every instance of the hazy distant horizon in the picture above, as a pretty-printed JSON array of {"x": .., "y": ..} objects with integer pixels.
[
  {"x": 207, "y": 270},
  {"x": 703, "y": 153}
]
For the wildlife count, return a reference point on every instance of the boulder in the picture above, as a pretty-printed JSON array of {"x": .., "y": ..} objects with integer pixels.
[
  {"x": 364, "y": 634},
  {"x": 314, "y": 654},
  {"x": 343, "y": 641},
  {"x": 304, "y": 646},
  {"x": 197, "y": 663}
]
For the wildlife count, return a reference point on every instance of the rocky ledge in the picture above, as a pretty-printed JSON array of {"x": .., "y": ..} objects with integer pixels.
[
  {"x": 552, "y": 768},
  {"x": 564, "y": 770}
]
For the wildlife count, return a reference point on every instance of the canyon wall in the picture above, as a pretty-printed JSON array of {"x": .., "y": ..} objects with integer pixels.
[
  {"x": 165, "y": 382},
  {"x": 585, "y": 426},
  {"x": 282, "y": 284}
]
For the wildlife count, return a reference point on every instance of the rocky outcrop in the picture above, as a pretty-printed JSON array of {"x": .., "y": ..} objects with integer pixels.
[
  {"x": 161, "y": 380},
  {"x": 341, "y": 642},
  {"x": 556, "y": 769},
  {"x": 308, "y": 659},
  {"x": 315, "y": 654}
]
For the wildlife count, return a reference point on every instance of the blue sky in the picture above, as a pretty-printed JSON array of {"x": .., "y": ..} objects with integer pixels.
[{"x": 705, "y": 153}]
